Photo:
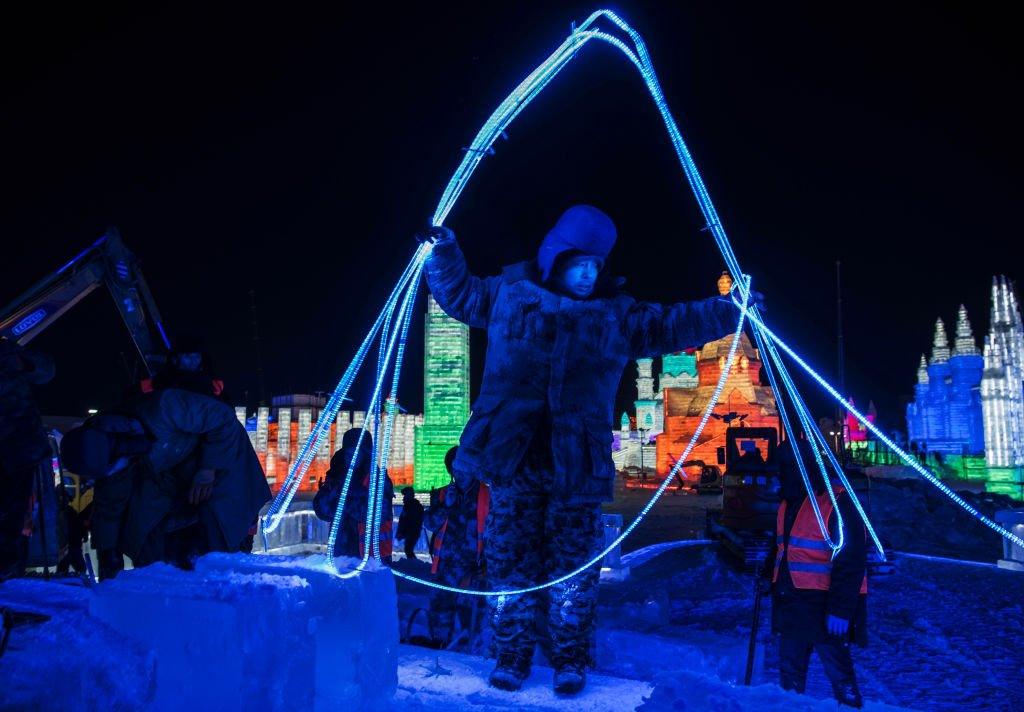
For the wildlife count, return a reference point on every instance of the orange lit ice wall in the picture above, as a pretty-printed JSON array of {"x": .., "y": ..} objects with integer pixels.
[
  {"x": 744, "y": 402},
  {"x": 281, "y": 430}
]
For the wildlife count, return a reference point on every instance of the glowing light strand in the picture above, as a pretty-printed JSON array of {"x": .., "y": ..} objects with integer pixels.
[
  {"x": 809, "y": 427},
  {"x": 533, "y": 84},
  {"x": 391, "y": 411},
  {"x": 284, "y": 497},
  {"x": 791, "y": 433},
  {"x": 407, "y": 298}
]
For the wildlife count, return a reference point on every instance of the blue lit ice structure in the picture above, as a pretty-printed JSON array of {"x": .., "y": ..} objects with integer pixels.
[{"x": 946, "y": 415}]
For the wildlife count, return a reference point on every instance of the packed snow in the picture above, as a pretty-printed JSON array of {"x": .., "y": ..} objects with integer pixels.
[{"x": 275, "y": 632}]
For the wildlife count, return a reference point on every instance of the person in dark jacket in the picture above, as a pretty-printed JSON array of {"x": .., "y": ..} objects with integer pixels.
[
  {"x": 356, "y": 453},
  {"x": 559, "y": 335},
  {"x": 24, "y": 446},
  {"x": 819, "y": 601},
  {"x": 410, "y": 524},
  {"x": 175, "y": 474},
  {"x": 190, "y": 368},
  {"x": 458, "y": 522}
]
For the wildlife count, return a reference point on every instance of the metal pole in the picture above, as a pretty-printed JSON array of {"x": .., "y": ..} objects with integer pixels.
[
  {"x": 841, "y": 357},
  {"x": 41, "y": 503},
  {"x": 256, "y": 343},
  {"x": 755, "y": 624}
]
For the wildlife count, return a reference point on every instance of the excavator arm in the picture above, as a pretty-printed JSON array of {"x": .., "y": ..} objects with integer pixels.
[{"x": 106, "y": 262}]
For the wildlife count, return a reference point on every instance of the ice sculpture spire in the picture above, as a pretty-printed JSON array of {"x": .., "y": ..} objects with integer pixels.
[
  {"x": 940, "y": 345},
  {"x": 1002, "y": 393},
  {"x": 964, "y": 344}
]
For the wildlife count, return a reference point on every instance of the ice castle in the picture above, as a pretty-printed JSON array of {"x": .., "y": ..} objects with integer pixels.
[
  {"x": 1002, "y": 385},
  {"x": 946, "y": 415}
]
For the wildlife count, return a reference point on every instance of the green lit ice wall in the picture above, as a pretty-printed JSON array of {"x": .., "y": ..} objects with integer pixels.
[{"x": 445, "y": 396}]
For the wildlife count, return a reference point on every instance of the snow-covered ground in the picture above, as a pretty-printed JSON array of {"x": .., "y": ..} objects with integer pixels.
[
  {"x": 672, "y": 636},
  {"x": 942, "y": 636}
]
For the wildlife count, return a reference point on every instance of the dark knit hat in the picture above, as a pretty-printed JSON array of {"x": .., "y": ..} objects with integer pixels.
[
  {"x": 582, "y": 228},
  {"x": 341, "y": 458}
]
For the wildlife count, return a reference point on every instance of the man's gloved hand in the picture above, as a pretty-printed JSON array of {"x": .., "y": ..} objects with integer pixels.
[
  {"x": 202, "y": 486},
  {"x": 756, "y": 299},
  {"x": 435, "y": 234},
  {"x": 837, "y": 626}
]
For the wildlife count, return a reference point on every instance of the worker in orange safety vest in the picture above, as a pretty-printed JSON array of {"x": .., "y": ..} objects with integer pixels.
[{"x": 819, "y": 599}]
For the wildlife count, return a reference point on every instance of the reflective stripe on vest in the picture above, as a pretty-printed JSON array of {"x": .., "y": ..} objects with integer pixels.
[
  {"x": 438, "y": 542},
  {"x": 384, "y": 542},
  {"x": 483, "y": 503},
  {"x": 808, "y": 556}
]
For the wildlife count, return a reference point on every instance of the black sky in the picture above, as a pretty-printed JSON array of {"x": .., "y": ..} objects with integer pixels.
[{"x": 293, "y": 152}]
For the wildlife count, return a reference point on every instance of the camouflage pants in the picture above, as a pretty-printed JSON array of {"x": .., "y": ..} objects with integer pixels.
[
  {"x": 532, "y": 538},
  {"x": 458, "y": 568}
]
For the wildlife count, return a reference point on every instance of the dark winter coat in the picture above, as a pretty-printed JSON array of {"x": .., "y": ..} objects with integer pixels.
[
  {"x": 557, "y": 361},
  {"x": 325, "y": 502},
  {"x": 188, "y": 432},
  {"x": 23, "y": 440},
  {"x": 801, "y": 613},
  {"x": 410, "y": 523}
]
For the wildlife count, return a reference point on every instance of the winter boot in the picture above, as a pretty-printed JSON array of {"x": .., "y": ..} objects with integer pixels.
[
  {"x": 848, "y": 695},
  {"x": 570, "y": 677},
  {"x": 510, "y": 672}
]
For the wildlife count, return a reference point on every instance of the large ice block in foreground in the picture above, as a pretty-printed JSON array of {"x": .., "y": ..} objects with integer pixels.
[{"x": 260, "y": 632}]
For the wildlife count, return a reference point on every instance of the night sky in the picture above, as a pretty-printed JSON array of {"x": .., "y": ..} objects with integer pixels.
[{"x": 294, "y": 153}]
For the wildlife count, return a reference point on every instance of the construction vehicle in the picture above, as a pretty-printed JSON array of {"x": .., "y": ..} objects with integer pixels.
[
  {"x": 107, "y": 262},
  {"x": 745, "y": 524}
]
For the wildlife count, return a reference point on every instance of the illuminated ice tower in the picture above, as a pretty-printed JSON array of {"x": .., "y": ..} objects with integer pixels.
[
  {"x": 946, "y": 415},
  {"x": 445, "y": 396},
  {"x": 648, "y": 407},
  {"x": 1002, "y": 387}
]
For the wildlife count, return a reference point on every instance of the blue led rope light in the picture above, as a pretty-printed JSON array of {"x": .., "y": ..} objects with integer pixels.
[
  {"x": 722, "y": 378},
  {"x": 371, "y": 413},
  {"x": 408, "y": 297},
  {"x": 382, "y": 441},
  {"x": 374, "y": 505},
  {"x": 391, "y": 411},
  {"x": 533, "y": 84},
  {"x": 323, "y": 425},
  {"x": 513, "y": 106},
  {"x": 805, "y": 422},
  {"x": 912, "y": 462},
  {"x": 780, "y": 404},
  {"x": 768, "y": 348},
  {"x": 312, "y": 444},
  {"x": 284, "y": 497}
]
